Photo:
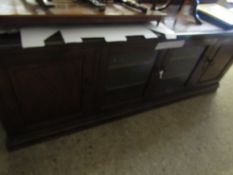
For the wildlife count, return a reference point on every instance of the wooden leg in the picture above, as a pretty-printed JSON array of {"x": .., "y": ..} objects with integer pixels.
[
  {"x": 153, "y": 5},
  {"x": 178, "y": 11}
]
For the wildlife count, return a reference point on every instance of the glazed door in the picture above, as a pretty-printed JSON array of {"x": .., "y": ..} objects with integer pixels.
[
  {"x": 127, "y": 67},
  {"x": 174, "y": 66}
]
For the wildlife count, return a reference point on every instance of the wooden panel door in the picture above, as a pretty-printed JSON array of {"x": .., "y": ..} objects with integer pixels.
[
  {"x": 44, "y": 85},
  {"x": 214, "y": 64}
]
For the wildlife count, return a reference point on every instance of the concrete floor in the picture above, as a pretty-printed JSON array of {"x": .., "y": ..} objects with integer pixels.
[{"x": 192, "y": 137}]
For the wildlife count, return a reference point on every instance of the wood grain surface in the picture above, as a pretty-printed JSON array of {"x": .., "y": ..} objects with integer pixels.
[{"x": 27, "y": 12}]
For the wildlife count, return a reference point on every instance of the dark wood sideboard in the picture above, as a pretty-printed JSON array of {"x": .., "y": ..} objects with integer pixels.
[{"x": 50, "y": 90}]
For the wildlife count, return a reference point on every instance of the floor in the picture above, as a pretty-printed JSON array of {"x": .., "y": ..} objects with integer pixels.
[{"x": 192, "y": 137}]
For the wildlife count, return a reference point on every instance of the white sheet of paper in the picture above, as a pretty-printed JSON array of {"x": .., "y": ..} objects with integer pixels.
[
  {"x": 162, "y": 28},
  {"x": 217, "y": 11},
  {"x": 35, "y": 37},
  {"x": 169, "y": 44},
  {"x": 111, "y": 33}
]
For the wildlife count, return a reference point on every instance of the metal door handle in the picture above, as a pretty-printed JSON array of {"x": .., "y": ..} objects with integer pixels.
[{"x": 161, "y": 74}]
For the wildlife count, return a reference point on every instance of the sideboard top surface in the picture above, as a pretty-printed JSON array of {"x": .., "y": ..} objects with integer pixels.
[{"x": 27, "y": 12}]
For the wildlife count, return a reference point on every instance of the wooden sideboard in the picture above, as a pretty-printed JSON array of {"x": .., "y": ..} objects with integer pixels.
[{"x": 51, "y": 90}]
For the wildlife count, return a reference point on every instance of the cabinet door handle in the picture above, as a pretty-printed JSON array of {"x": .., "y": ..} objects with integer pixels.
[
  {"x": 210, "y": 61},
  {"x": 161, "y": 74}
]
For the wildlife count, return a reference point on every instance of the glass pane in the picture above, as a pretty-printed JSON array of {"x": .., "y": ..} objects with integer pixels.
[
  {"x": 129, "y": 69},
  {"x": 182, "y": 62},
  {"x": 128, "y": 76},
  {"x": 118, "y": 59}
]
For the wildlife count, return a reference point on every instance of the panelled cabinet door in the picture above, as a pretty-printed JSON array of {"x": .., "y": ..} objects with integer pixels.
[
  {"x": 46, "y": 85},
  {"x": 174, "y": 65},
  {"x": 214, "y": 64},
  {"x": 127, "y": 66}
]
